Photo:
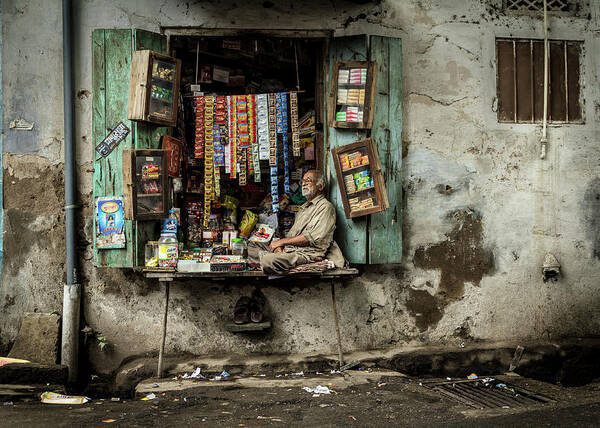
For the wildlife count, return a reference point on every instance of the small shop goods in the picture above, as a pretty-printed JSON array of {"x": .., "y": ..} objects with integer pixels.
[
  {"x": 360, "y": 179},
  {"x": 354, "y": 89}
]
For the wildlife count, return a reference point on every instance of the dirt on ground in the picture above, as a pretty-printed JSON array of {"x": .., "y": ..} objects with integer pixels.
[{"x": 360, "y": 400}]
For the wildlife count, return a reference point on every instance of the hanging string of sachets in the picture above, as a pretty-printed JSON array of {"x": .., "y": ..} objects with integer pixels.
[{"x": 237, "y": 132}]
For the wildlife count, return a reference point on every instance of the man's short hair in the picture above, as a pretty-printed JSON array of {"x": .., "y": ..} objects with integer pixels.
[{"x": 320, "y": 178}]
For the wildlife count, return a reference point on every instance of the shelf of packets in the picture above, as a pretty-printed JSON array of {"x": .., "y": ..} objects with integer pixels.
[
  {"x": 351, "y": 94},
  {"x": 358, "y": 182}
]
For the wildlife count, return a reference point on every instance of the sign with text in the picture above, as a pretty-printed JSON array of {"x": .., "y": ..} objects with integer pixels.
[{"x": 113, "y": 139}]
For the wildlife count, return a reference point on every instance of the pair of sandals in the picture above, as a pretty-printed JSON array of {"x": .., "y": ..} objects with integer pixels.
[{"x": 249, "y": 309}]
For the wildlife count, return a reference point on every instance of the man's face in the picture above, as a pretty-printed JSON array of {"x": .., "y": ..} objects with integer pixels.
[{"x": 309, "y": 185}]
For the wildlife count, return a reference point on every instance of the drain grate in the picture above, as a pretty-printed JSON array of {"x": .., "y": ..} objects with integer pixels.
[{"x": 487, "y": 393}]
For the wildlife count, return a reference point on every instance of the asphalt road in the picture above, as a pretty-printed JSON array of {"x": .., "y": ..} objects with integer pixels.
[{"x": 376, "y": 402}]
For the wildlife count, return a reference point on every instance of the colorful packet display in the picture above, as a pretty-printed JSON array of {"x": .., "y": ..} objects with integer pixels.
[
  {"x": 232, "y": 137},
  {"x": 262, "y": 126},
  {"x": 282, "y": 128},
  {"x": 294, "y": 124},
  {"x": 199, "y": 141},
  {"x": 273, "y": 151},
  {"x": 209, "y": 191},
  {"x": 253, "y": 160},
  {"x": 241, "y": 107}
]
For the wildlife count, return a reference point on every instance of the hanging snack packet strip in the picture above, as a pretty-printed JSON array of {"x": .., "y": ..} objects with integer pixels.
[
  {"x": 199, "y": 141},
  {"x": 253, "y": 139},
  {"x": 219, "y": 134},
  {"x": 209, "y": 105},
  {"x": 273, "y": 152},
  {"x": 242, "y": 136},
  {"x": 294, "y": 123},
  {"x": 227, "y": 148},
  {"x": 233, "y": 138},
  {"x": 249, "y": 157},
  {"x": 262, "y": 126},
  {"x": 282, "y": 128}
]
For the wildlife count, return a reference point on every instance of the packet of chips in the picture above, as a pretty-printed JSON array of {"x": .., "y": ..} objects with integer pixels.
[{"x": 249, "y": 220}]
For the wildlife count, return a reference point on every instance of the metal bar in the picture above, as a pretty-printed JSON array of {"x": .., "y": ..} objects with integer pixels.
[
  {"x": 472, "y": 397},
  {"x": 488, "y": 398},
  {"x": 164, "y": 328},
  {"x": 515, "y": 79},
  {"x": 531, "y": 81},
  {"x": 566, "y": 82},
  {"x": 458, "y": 397},
  {"x": 539, "y": 397},
  {"x": 503, "y": 396},
  {"x": 337, "y": 325}
]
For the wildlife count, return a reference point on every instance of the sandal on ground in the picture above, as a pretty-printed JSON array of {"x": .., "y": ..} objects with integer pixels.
[
  {"x": 257, "y": 306},
  {"x": 242, "y": 310}
]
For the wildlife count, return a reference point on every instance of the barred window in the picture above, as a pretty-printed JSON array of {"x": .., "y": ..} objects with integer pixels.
[
  {"x": 538, "y": 5},
  {"x": 520, "y": 81}
]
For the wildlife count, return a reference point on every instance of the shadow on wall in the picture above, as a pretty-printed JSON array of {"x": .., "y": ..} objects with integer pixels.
[
  {"x": 591, "y": 215},
  {"x": 460, "y": 258}
]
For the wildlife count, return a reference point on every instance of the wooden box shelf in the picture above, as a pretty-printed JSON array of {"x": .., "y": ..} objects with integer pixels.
[
  {"x": 353, "y": 93},
  {"x": 360, "y": 178},
  {"x": 154, "y": 88},
  {"x": 145, "y": 184}
]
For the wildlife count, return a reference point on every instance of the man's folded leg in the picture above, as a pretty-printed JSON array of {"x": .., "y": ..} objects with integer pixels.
[{"x": 280, "y": 263}]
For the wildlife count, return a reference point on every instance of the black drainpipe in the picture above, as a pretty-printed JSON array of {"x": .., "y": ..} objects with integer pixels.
[{"x": 72, "y": 289}]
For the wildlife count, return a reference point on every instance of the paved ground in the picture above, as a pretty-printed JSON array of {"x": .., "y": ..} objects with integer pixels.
[{"x": 361, "y": 398}]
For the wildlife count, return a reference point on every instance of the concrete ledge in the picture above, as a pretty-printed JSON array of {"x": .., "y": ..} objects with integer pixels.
[{"x": 31, "y": 373}]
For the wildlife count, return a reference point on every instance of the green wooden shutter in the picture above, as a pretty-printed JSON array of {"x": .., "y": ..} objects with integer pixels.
[
  {"x": 111, "y": 67},
  {"x": 377, "y": 238}
]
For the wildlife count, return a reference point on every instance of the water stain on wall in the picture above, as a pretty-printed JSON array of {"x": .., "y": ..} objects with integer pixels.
[
  {"x": 461, "y": 258},
  {"x": 591, "y": 210}
]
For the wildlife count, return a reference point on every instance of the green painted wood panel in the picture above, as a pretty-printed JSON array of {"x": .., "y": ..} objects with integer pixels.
[
  {"x": 110, "y": 81},
  {"x": 111, "y": 67},
  {"x": 147, "y": 136},
  {"x": 351, "y": 234},
  {"x": 385, "y": 228}
]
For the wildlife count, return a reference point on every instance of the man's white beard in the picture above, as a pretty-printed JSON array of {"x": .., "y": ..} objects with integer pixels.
[{"x": 308, "y": 194}]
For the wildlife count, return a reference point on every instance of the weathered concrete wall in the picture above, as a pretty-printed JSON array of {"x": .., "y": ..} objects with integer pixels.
[{"x": 481, "y": 209}]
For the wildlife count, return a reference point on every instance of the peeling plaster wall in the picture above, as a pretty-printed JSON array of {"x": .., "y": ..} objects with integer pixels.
[{"x": 480, "y": 210}]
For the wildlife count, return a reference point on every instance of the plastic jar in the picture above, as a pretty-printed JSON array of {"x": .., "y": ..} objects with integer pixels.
[
  {"x": 238, "y": 247},
  {"x": 168, "y": 250}
]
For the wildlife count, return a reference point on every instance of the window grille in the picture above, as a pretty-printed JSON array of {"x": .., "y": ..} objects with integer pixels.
[{"x": 538, "y": 5}]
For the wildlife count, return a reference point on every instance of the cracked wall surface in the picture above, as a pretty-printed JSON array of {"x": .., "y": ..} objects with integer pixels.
[{"x": 480, "y": 208}]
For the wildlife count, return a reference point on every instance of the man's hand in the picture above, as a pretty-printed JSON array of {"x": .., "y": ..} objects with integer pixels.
[{"x": 277, "y": 245}]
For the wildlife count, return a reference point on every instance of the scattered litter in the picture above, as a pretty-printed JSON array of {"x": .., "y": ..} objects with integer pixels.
[
  {"x": 382, "y": 384},
  {"x": 352, "y": 417},
  {"x": 108, "y": 421},
  {"x": 151, "y": 396},
  {"x": 155, "y": 385},
  {"x": 226, "y": 413},
  {"x": 273, "y": 418},
  {"x": 361, "y": 368},
  {"x": 262, "y": 375},
  {"x": 184, "y": 399},
  {"x": 420, "y": 383},
  {"x": 7, "y": 403},
  {"x": 334, "y": 371},
  {"x": 472, "y": 376},
  {"x": 448, "y": 378},
  {"x": 462, "y": 345},
  {"x": 195, "y": 375},
  {"x": 224, "y": 374},
  {"x": 318, "y": 373},
  {"x": 115, "y": 399},
  {"x": 506, "y": 407},
  {"x": 325, "y": 405},
  {"x": 318, "y": 390},
  {"x": 53, "y": 398},
  {"x": 500, "y": 385},
  {"x": 6, "y": 360},
  {"x": 298, "y": 374}
]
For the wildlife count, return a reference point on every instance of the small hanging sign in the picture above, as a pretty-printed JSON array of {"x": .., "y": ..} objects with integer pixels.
[
  {"x": 110, "y": 230},
  {"x": 113, "y": 139}
]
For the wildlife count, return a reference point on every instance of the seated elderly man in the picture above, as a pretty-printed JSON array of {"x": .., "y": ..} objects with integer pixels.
[{"x": 310, "y": 237}]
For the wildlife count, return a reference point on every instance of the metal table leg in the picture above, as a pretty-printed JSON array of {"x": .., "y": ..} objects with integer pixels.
[
  {"x": 167, "y": 282},
  {"x": 337, "y": 325}
]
